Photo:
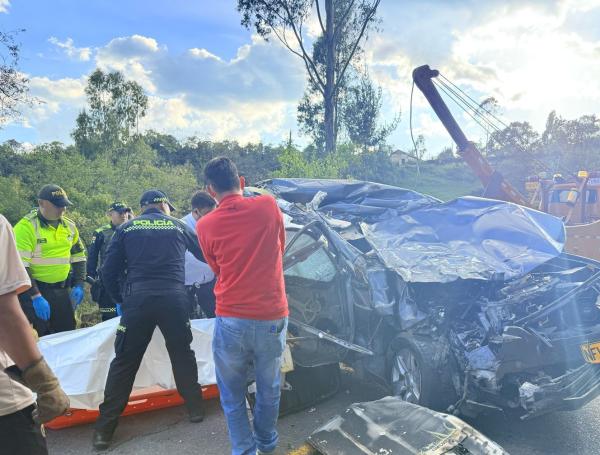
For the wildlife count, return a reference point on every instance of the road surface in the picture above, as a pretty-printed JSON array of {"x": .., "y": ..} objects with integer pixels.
[{"x": 168, "y": 431}]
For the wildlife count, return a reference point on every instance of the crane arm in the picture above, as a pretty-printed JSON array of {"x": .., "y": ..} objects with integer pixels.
[{"x": 496, "y": 186}]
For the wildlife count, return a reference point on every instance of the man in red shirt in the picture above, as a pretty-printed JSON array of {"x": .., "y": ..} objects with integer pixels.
[{"x": 243, "y": 242}]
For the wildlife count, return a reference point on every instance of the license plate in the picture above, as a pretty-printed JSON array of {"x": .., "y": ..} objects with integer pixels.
[{"x": 591, "y": 352}]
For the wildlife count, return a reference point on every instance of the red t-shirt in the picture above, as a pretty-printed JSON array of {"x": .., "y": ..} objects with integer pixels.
[{"x": 243, "y": 242}]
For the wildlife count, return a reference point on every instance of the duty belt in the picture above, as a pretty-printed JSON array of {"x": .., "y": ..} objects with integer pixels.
[
  {"x": 59, "y": 285},
  {"x": 141, "y": 286}
]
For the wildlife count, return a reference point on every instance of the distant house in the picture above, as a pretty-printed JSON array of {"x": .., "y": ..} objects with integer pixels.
[{"x": 402, "y": 158}]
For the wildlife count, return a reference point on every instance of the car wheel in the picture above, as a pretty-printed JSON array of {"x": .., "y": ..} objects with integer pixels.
[
  {"x": 406, "y": 375},
  {"x": 419, "y": 372}
]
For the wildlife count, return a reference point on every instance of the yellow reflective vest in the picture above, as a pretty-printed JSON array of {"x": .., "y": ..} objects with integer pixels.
[{"x": 47, "y": 251}]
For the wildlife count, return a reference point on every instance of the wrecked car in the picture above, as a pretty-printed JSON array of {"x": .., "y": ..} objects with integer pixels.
[{"x": 468, "y": 306}]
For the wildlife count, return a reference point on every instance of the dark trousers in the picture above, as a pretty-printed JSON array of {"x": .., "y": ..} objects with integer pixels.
[
  {"x": 20, "y": 435},
  {"x": 202, "y": 296},
  {"x": 62, "y": 317},
  {"x": 108, "y": 308},
  {"x": 106, "y": 305},
  {"x": 143, "y": 310}
]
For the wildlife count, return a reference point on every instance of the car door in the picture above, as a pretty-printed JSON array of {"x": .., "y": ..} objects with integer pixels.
[{"x": 316, "y": 286}]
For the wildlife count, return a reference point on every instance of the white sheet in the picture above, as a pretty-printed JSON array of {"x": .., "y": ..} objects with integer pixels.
[{"x": 80, "y": 359}]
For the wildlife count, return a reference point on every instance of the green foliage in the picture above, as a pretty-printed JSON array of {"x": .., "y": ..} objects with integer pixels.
[
  {"x": 360, "y": 114},
  {"x": 565, "y": 146},
  {"x": 295, "y": 163},
  {"x": 255, "y": 161},
  {"x": 444, "y": 181},
  {"x": 16, "y": 200},
  {"x": 446, "y": 155},
  {"x": 92, "y": 184}
]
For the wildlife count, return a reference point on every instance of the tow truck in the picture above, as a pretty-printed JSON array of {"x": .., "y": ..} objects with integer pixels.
[{"x": 575, "y": 199}]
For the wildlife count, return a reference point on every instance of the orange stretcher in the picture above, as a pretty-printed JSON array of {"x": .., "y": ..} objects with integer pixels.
[{"x": 145, "y": 400}]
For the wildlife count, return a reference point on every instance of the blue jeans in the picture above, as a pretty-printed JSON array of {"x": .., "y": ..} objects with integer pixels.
[{"x": 241, "y": 346}]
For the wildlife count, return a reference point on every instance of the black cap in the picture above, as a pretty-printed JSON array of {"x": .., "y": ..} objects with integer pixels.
[
  {"x": 120, "y": 207},
  {"x": 155, "y": 197},
  {"x": 54, "y": 194}
]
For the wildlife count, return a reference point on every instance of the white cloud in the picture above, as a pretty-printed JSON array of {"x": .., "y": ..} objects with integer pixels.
[
  {"x": 202, "y": 53},
  {"x": 533, "y": 56},
  {"x": 77, "y": 53},
  {"x": 135, "y": 46},
  {"x": 259, "y": 72},
  {"x": 249, "y": 98},
  {"x": 4, "y": 5},
  {"x": 61, "y": 100},
  {"x": 244, "y": 122}
]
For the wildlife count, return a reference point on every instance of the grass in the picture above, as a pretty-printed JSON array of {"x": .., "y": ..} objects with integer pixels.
[
  {"x": 444, "y": 181},
  {"x": 88, "y": 313}
]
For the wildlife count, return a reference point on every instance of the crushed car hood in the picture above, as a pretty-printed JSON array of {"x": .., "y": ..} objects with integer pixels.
[
  {"x": 424, "y": 240},
  {"x": 392, "y": 426}
]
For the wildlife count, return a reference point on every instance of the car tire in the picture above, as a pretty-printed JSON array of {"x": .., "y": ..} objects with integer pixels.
[
  {"x": 420, "y": 372},
  {"x": 309, "y": 386}
]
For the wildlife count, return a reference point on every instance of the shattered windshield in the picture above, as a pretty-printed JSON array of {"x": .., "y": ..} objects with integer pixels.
[{"x": 309, "y": 258}]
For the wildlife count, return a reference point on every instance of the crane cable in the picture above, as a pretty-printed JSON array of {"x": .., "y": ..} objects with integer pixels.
[
  {"x": 410, "y": 118},
  {"x": 473, "y": 109},
  {"x": 454, "y": 96}
]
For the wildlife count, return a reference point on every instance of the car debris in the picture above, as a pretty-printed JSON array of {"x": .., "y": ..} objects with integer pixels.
[
  {"x": 468, "y": 306},
  {"x": 391, "y": 426}
]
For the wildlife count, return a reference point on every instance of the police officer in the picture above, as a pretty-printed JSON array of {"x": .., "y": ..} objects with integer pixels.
[
  {"x": 118, "y": 212},
  {"x": 151, "y": 248},
  {"x": 50, "y": 248}
]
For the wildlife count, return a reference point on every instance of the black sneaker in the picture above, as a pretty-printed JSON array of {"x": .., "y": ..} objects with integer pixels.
[{"x": 102, "y": 439}]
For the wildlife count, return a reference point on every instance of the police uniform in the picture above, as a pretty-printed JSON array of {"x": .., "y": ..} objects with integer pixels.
[
  {"x": 54, "y": 256},
  {"x": 151, "y": 248},
  {"x": 96, "y": 252}
]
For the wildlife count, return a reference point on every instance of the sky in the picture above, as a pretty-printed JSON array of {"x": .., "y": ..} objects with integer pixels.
[{"x": 207, "y": 76}]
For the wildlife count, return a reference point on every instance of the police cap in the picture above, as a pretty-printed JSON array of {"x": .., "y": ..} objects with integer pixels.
[
  {"x": 155, "y": 197},
  {"x": 120, "y": 207},
  {"x": 54, "y": 194}
]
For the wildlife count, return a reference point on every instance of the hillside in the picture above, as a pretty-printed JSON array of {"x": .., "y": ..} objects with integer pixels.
[{"x": 444, "y": 181}]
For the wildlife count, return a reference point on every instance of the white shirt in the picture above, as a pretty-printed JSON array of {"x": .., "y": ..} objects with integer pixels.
[
  {"x": 13, "y": 277},
  {"x": 195, "y": 271}
]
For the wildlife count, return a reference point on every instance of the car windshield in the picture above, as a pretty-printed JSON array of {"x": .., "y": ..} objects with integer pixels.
[{"x": 309, "y": 258}]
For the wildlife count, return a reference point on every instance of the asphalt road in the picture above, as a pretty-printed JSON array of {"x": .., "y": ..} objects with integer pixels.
[{"x": 168, "y": 431}]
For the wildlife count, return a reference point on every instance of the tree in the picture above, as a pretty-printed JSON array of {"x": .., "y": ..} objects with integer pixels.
[
  {"x": 360, "y": 112},
  {"x": 514, "y": 140},
  {"x": 342, "y": 26},
  {"x": 571, "y": 144},
  {"x": 488, "y": 107},
  {"x": 14, "y": 86},
  {"x": 115, "y": 107},
  {"x": 514, "y": 151},
  {"x": 419, "y": 151},
  {"x": 446, "y": 155}
]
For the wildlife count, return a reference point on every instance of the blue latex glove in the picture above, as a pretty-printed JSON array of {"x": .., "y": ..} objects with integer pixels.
[
  {"x": 77, "y": 295},
  {"x": 41, "y": 307},
  {"x": 119, "y": 311}
]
